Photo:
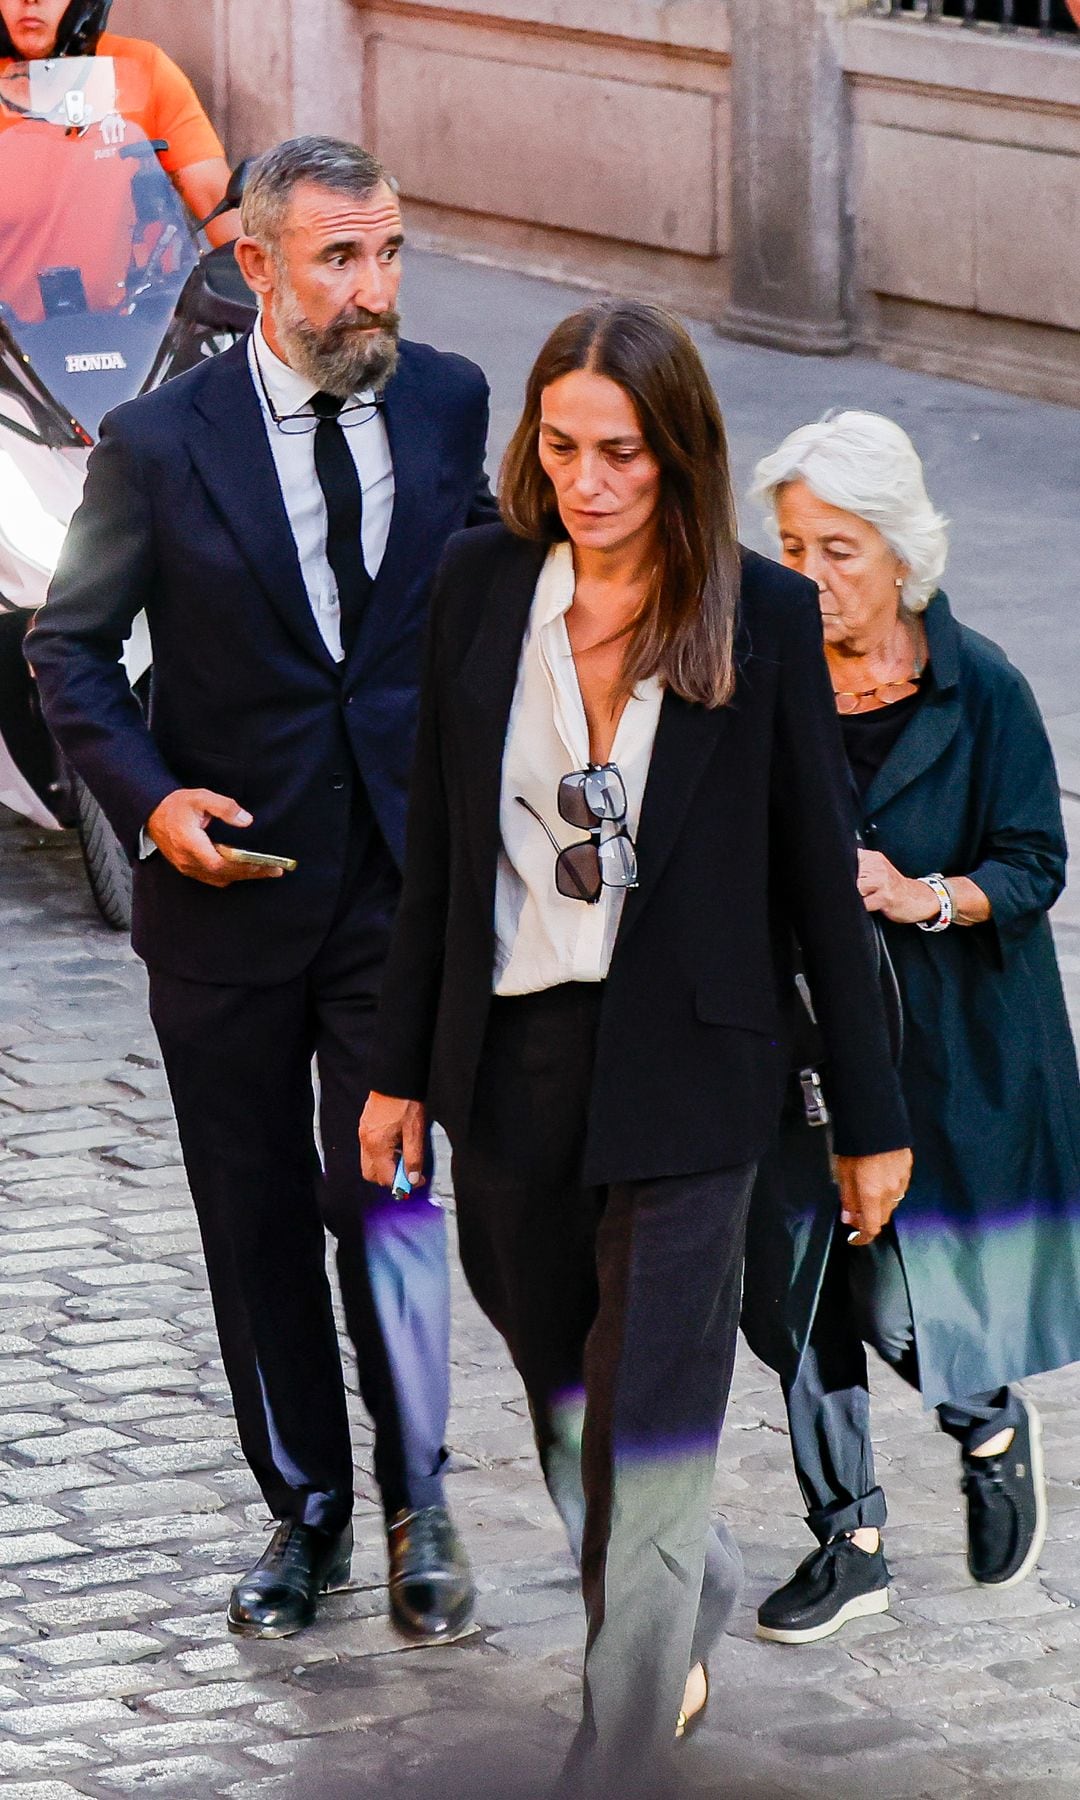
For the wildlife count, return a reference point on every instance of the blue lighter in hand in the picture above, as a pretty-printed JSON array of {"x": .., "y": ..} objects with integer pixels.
[{"x": 403, "y": 1189}]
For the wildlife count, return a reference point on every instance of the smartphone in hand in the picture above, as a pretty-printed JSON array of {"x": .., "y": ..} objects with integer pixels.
[{"x": 260, "y": 859}]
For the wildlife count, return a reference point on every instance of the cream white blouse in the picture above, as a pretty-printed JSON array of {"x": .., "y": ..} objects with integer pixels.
[{"x": 542, "y": 938}]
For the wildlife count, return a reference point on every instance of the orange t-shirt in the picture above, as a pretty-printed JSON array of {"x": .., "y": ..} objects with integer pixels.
[
  {"x": 158, "y": 97},
  {"x": 50, "y": 178}
]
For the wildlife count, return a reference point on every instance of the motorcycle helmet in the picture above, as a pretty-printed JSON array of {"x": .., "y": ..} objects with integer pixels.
[{"x": 80, "y": 29}]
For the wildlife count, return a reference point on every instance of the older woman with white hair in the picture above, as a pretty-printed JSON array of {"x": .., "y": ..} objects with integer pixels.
[{"x": 976, "y": 1282}]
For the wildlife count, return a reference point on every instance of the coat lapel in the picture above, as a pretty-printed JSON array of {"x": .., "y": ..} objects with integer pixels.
[
  {"x": 414, "y": 452},
  {"x": 934, "y": 725},
  {"x": 230, "y": 450},
  {"x": 486, "y": 680},
  {"x": 686, "y": 737}
]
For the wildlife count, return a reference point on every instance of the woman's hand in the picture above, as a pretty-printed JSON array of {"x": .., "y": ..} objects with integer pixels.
[
  {"x": 885, "y": 890},
  {"x": 390, "y": 1127},
  {"x": 871, "y": 1189}
]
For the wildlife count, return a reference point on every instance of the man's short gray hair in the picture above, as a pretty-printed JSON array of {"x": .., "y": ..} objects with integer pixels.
[
  {"x": 326, "y": 161},
  {"x": 867, "y": 465}
]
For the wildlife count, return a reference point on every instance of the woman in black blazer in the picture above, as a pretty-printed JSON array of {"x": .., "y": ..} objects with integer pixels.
[{"x": 629, "y": 795}]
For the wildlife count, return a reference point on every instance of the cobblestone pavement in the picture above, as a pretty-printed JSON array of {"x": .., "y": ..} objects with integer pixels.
[{"x": 126, "y": 1510}]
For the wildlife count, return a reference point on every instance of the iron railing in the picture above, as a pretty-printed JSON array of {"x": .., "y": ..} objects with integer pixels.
[{"x": 1048, "y": 18}]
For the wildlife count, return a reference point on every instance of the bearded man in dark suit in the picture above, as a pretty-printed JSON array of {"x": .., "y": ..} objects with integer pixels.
[{"x": 279, "y": 514}]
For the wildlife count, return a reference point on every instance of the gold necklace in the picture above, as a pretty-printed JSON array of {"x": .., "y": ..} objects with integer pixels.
[{"x": 887, "y": 692}]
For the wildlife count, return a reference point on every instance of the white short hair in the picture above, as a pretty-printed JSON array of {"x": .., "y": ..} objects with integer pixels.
[{"x": 866, "y": 464}]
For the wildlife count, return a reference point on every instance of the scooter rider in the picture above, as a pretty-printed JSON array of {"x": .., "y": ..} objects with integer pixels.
[{"x": 162, "y": 100}]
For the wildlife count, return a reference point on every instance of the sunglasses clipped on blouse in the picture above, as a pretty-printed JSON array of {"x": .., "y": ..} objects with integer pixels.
[{"x": 591, "y": 799}]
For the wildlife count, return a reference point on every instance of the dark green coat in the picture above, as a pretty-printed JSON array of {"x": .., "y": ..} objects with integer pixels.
[{"x": 990, "y": 1228}]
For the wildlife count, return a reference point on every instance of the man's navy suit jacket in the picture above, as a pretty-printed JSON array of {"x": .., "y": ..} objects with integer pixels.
[{"x": 183, "y": 517}]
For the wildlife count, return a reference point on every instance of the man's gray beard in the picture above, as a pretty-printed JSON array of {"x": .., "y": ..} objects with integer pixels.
[{"x": 339, "y": 359}]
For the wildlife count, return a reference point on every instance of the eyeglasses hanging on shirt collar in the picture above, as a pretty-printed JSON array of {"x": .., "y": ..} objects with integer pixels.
[
  {"x": 296, "y": 424},
  {"x": 591, "y": 799}
]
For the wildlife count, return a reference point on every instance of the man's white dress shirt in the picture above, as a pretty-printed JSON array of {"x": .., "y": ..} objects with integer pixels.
[
  {"x": 543, "y": 939},
  {"x": 294, "y": 459}
]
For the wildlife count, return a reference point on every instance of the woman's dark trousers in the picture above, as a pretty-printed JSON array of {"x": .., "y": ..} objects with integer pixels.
[
  {"x": 620, "y": 1308},
  {"x": 864, "y": 1300}
]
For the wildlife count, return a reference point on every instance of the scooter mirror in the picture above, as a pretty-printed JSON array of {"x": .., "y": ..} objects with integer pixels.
[{"x": 234, "y": 193}]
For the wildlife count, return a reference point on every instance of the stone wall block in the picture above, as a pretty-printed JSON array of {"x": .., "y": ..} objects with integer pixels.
[
  {"x": 616, "y": 159},
  {"x": 917, "y": 216},
  {"x": 1032, "y": 272},
  {"x": 967, "y": 149}
]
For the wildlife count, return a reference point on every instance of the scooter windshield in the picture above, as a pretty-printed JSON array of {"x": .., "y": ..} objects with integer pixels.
[{"x": 94, "y": 244}]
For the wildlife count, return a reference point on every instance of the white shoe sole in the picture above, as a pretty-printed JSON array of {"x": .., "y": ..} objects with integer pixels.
[
  {"x": 1038, "y": 1477},
  {"x": 862, "y": 1607}
]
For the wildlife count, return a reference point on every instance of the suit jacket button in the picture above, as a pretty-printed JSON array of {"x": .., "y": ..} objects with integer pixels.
[{"x": 337, "y": 782}]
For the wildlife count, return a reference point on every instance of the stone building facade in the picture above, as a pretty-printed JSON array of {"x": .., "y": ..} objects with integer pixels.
[{"x": 801, "y": 172}]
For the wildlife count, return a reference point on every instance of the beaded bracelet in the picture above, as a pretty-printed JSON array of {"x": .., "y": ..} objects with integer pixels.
[{"x": 942, "y": 893}]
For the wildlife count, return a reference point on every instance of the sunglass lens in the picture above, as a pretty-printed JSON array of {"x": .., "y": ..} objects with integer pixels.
[
  {"x": 577, "y": 873},
  {"x": 618, "y": 862},
  {"x": 605, "y": 792},
  {"x": 574, "y": 802}
]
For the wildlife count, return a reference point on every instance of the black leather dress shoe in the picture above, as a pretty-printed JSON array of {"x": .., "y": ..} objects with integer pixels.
[
  {"x": 431, "y": 1589},
  {"x": 278, "y": 1596}
]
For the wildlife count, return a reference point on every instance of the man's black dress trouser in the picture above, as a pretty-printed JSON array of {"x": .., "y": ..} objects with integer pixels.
[{"x": 239, "y": 1063}]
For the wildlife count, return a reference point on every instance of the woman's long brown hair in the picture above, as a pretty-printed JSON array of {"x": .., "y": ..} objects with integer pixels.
[{"x": 685, "y": 631}]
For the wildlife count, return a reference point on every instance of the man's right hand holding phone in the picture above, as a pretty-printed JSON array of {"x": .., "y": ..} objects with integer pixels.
[{"x": 178, "y": 826}]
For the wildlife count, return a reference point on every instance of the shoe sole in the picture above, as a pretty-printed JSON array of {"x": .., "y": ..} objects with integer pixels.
[
  {"x": 242, "y": 1628},
  {"x": 339, "y": 1583},
  {"x": 862, "y": 1607},
  {"x": 462, "y": 1626},
  {"x": 1038, "y": 1478},
  {"x": 423, "y": 1640}
]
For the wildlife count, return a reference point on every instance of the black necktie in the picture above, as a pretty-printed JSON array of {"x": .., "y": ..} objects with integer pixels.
[{"x": 344, "y": 498}]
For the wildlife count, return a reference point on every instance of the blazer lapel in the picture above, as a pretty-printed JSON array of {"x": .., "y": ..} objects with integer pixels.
[
  {"x": 487, "y": 679},
  {"x": 686, "y": 737},
  {"x": 231, "y": 451},
  {"x": 935, "y": 724},
  {"x": 414, "y": 452}
]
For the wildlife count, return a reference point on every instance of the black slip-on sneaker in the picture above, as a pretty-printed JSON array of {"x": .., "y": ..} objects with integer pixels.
[
  {"x": 836, "y": 1583},
  {"x": 1006, "y": 1506}
]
